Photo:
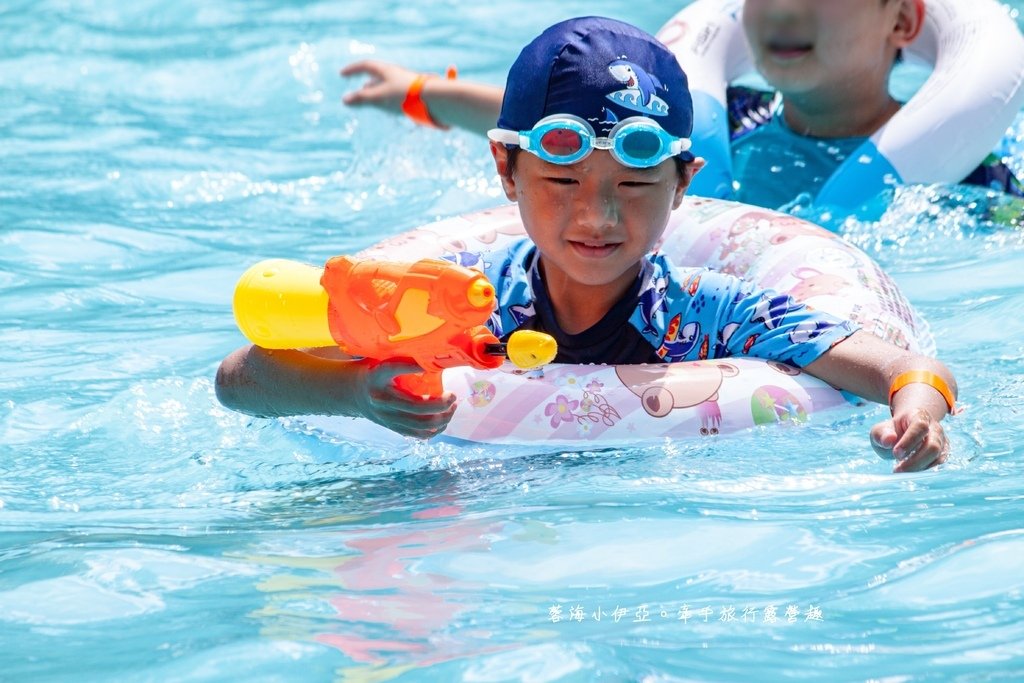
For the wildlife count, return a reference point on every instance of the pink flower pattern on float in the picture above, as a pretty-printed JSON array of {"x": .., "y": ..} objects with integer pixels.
[
  {"x": 561, "y": 410},
  {"x": 592, "y": 408}
]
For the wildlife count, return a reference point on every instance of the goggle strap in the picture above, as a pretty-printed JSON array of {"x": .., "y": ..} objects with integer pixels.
[
  {"x": 681, "y": 145},
  {"x": 508, "y": 137}
]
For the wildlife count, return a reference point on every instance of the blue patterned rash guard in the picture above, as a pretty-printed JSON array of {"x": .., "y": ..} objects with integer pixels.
[{"x": 670, "y": 314}]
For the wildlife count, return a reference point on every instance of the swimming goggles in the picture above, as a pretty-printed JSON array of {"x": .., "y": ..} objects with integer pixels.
[{"x": 637, "y": 142}]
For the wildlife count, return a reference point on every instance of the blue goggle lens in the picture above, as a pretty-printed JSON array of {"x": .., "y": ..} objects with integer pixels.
[{"x": 640, "y": 145}]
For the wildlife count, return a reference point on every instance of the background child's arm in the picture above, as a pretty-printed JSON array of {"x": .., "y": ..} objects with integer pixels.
[
  {"x": 458, "y": 103},
  {"x": 865, "y": 365},
  {"x": 267, "y": 383}
]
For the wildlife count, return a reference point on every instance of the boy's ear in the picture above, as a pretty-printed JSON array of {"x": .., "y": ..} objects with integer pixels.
[
  {"x": 685, "y": 179},
  {"x": 909, "y": 21},
  {"x": 508, "y": 183}
]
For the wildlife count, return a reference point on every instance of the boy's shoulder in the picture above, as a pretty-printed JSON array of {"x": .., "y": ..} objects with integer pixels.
[
  {"x": 508, "y": 262},
  {"x": 510, "y": 268}
]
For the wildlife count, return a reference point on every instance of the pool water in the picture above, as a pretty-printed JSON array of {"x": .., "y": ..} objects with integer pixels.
[{"x": 150, "y": 152}]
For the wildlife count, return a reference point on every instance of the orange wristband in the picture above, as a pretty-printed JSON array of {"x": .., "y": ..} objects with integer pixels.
[
  {"x": 415, "y": 108},
  {"x": 923, "y": 377}
]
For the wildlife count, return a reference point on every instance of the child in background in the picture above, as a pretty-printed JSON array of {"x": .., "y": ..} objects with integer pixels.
[
  {"x": 830, "y": 61},
  {"x": 604, "y": 168}
]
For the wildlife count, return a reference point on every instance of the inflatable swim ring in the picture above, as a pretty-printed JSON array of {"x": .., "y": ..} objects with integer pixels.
[
  {"x": 939, "y": 136},
  {"x": 575, "y": 404}
]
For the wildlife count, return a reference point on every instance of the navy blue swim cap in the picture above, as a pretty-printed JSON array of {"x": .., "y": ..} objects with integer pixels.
[{"x": 602, "y": 71}]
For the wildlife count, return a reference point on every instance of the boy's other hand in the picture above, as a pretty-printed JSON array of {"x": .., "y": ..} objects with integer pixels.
[{"x": 913, "y": 438}]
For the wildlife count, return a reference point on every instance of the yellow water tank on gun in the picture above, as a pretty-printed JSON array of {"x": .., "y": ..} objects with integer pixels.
[{"x": 279, "y": 304}]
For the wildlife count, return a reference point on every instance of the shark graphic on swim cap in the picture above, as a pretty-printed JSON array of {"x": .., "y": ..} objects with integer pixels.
[{"x": 602, "y": 71}]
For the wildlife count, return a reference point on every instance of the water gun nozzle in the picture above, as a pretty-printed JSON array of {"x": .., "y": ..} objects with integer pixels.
[{"x": 480, "y": 294}]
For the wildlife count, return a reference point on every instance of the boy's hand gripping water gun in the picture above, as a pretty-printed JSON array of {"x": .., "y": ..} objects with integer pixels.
[{"x": 431, "y": 312}]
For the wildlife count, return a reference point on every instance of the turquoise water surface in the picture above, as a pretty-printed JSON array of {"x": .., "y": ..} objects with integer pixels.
[{"x": 150, "y": 152}]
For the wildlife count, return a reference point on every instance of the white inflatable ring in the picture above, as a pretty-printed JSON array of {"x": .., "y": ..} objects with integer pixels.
[
  {"x": 574, "y": 404},
  {"x": 940, "y": 135}
]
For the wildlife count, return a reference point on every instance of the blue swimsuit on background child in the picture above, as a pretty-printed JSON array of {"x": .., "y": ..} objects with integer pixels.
[{"x": 773, "y": 165}]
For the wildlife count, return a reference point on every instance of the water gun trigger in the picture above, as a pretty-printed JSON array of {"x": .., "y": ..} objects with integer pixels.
[{"x": 423, "y": 385}]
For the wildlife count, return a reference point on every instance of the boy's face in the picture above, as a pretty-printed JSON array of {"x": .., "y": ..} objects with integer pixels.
[
  {"x": 801, "y": 46},
  {"x": 593, "y": 221}
]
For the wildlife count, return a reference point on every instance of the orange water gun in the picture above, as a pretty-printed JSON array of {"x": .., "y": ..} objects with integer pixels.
[{"x": 430, "y": 312}]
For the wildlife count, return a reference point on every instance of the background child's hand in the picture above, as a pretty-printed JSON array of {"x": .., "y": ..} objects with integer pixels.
[
  {"x": 383, "y": 403},
  {"x": 386, "y": 87},
  {"x": 914, "y": 438}
]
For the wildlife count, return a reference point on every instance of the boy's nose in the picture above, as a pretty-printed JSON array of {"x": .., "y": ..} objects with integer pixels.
[{"x": 598, "y": 213}]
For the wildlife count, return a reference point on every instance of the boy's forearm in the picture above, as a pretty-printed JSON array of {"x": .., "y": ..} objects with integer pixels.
[
  {"x": 268, "y": 383},
  {"x": 867, "y": 366}
]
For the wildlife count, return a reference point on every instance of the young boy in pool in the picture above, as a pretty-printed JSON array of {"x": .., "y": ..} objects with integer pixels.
[
  {"x": 830, "y": 61},
  {"x": 605, "y": 165}
]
